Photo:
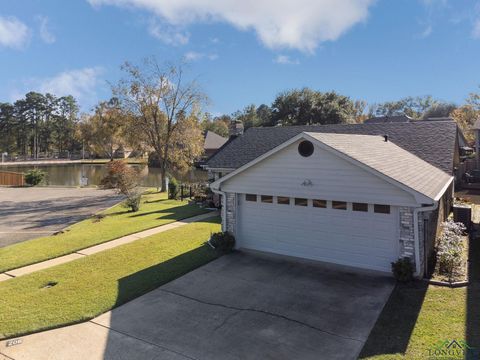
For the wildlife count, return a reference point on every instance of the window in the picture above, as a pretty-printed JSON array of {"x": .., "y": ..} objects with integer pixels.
[
  {"x": 266, "y": 199},
  {"x": 250, "y": 197},
  {"x": 339, "y": 205},
  {"x": 319, "y": 203},
  {"x": 305, "y": 148},
  {"x": 301, "y": 202},
  {"x": 360, "y": 207},
  {"x": 381, "y": 209},
  {"x": 283, "y": 200}
]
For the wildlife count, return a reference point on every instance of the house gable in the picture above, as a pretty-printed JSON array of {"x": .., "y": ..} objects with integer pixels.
[{"x": 323, "y": 175}]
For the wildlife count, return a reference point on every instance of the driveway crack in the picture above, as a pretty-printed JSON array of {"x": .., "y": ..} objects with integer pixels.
[{"x": 238, "y": 309}]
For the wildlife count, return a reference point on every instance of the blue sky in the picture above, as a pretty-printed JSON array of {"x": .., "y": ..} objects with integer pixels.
[{"x": 245, "y": 52}]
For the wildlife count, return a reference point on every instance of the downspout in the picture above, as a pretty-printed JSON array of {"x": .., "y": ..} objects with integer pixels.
[
  {"x": 224, "y": 207},
  {"x": 416, "y": 237}
]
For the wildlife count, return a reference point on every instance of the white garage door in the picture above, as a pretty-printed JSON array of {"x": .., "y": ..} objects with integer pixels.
[{"x": 365, "y": 239}]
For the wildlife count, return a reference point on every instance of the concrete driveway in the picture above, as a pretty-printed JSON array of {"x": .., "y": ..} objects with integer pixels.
[
  {"x": 27, "y": 213},
  {"x": 240, "y": 306}
]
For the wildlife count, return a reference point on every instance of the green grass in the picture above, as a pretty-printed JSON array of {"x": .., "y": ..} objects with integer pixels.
[
  {"x": 95, "y": 284},
  {"x": 155, "y": 210},
  {"x": 418, "y": 316}
]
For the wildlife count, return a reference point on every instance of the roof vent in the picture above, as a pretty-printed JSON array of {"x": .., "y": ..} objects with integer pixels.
[{"x": 385, "y": 138}]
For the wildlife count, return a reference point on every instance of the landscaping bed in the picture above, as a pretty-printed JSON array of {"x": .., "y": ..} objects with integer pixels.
[
  {"x": 459, "y": 275},
  {"x": 82, "y": 289},
  {"x": 108, "y": 225}
]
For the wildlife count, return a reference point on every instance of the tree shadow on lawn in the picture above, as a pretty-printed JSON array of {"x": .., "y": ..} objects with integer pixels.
[
  {"x": 393, "y": 329},
  {"x": 173, "y": 213},
  {"x": 140, "y": 283},
  {"x": 148, "y": 279}
]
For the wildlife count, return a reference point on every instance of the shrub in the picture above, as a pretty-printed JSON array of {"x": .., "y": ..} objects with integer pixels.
[
  {"x": 120, "y": 176},
  {"x": 173, "y": 188},
  {"x": 402, "y": 269},
  {"x": 34, "y": 177},
  {"x": 223, "y": 241},
  {"x": 133, "y": 201},
  {"x": 124, "y": 179},
  {"x": 450, "y": 247}
]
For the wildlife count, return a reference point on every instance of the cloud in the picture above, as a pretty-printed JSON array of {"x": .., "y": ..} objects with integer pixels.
[
  {"x": 80, "y": 83},
  {"x": 45, "y": 33},
  {"x": 426, "y": 32},
  {"x": 195, "y": 56},
  {"x": 476, "y": 29},
  {"x": 286, "y": 60},
  {"x": 13, "y": 33},
  {"x": 301, "y": 24},
  {"x": 170, "y": 35}
]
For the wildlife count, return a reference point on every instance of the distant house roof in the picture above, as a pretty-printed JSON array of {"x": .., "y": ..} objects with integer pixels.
[
  {"x": 390, "y": 160},
  {"x": 388, "y": 119},
  {"x": 432, "y": 141},
  {"x": 213, "y": 141}
]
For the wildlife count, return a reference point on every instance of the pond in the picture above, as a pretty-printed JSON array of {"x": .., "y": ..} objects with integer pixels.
[{"x": 70, "y": 174}]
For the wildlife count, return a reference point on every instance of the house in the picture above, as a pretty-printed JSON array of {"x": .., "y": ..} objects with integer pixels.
[
  {"x": 360, "y": 195},
  {"x": 212, "y": 143}
]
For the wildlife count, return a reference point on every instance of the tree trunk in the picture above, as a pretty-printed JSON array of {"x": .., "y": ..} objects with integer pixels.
[{"x": 163, "y": 176}]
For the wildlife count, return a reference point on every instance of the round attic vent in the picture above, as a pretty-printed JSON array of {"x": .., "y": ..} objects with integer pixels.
[{"x": 305, "y": 148}]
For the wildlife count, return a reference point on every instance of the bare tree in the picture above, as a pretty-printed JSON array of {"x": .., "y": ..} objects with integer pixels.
[{"x": 164, "y": 109}]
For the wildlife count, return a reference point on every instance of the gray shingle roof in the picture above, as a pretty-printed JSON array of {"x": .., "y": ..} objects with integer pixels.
[
  {"x": 386, "y": 119},
  {"x": 390, "y": 160},
  {"x": 213, "y": 140},
  {"x": 432, "y": 141}
]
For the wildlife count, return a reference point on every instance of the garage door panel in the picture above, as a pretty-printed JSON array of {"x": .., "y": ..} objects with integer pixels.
[{"x": 347, "y": 237}]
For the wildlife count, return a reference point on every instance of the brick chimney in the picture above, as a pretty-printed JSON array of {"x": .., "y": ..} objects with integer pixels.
[{"x": 235, "y": 129}]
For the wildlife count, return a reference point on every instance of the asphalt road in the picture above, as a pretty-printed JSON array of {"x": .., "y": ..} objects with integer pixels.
[{"x": 27, "y": 213}]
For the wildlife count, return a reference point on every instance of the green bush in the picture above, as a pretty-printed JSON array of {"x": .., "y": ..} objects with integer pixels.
[
  {"x": 222, "y": 241},
  {"x": 133, "y": 201},
  {"x": 34, "y": 177},
  {"x": 402, "y": 269},
  {"x": 173, "y": 188}
]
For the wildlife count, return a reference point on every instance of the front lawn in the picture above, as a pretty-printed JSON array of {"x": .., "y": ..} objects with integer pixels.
[
  {"x": 155, "y": 210},
  {"x": 97, "y": 283},
  {"x": 419, "y": 317}
]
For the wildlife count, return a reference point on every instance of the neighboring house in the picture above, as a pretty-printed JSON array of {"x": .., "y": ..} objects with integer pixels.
[
  {"x": 359, "y": 195},
  {"x": 212, "y": 143}
]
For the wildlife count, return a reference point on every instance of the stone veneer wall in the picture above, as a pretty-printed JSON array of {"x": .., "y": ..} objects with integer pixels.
[
  {"x": 407, "y": 239},
  {"x": 231, "y": 216}
]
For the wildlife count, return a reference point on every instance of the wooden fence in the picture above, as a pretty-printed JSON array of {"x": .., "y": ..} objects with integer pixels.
[{"x": 8, "y": 178}]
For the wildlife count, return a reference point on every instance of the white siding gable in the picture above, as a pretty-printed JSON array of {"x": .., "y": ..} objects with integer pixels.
[{"x": 331, "y": 177}]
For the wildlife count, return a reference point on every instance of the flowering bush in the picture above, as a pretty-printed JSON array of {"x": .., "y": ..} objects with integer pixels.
[{"x": 450, "y": 247}]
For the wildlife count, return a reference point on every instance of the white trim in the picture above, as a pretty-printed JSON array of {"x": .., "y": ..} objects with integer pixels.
[
  {"x": 441, "y": 192},
  {"x": 419, "y": 197}
]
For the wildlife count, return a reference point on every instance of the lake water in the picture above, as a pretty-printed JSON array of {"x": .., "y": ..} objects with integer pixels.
[{"x": 70, "y": 174}]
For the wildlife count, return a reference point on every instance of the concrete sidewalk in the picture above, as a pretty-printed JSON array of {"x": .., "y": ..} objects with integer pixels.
[{"x": 104, "y": 246}]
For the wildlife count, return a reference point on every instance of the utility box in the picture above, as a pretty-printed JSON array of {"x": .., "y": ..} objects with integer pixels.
[{"x": 463, "y": 213}]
